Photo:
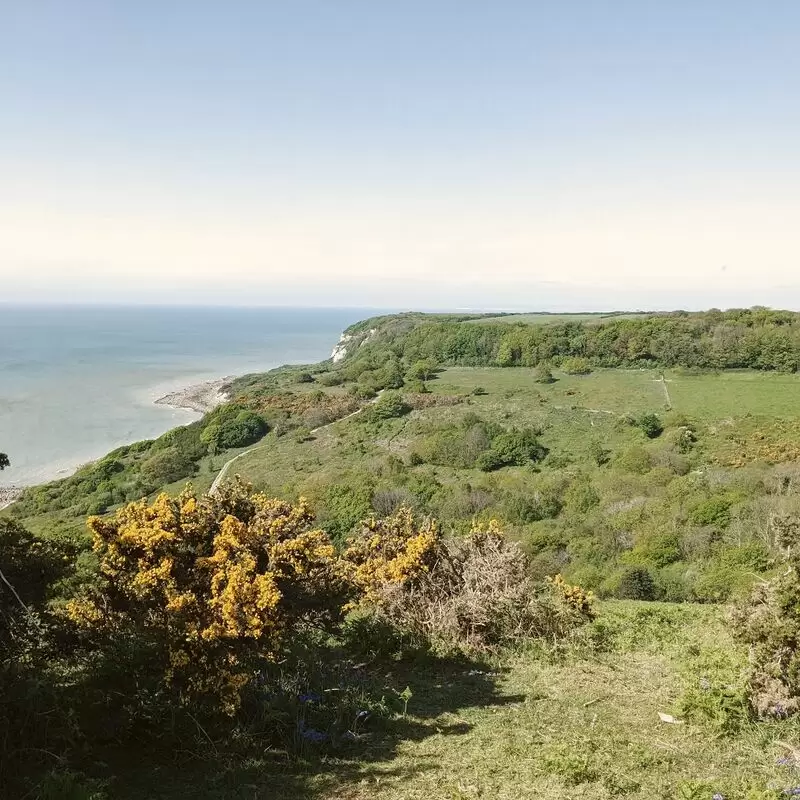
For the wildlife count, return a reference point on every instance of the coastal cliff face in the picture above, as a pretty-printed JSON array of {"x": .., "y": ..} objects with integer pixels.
[
  {"x": 339, "y": 352},
  {"x": 349, "y": 342}
]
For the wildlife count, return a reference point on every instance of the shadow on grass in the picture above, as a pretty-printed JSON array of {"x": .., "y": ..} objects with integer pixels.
[{"x": 441, "y": 689}]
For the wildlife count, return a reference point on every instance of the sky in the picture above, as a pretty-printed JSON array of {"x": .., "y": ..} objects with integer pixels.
[{"x": 582, "y": 154}]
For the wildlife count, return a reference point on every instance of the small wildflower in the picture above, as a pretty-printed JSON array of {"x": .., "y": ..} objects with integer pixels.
[
  {"x": 717, "y": 796},
  {"x": 705, "y": 685},
  {"x": 792, "y": 791},
  {"x": 313, "y": 735},
  {"x": 309, "y": 697}
]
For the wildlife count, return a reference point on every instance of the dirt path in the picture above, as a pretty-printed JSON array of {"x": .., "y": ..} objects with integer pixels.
[
  {"x": 663, "y": 381},
  {"x": 227, "y": 465}
]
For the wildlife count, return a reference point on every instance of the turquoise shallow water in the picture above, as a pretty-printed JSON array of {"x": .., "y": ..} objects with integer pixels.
[{"x": 77, "y": 382}]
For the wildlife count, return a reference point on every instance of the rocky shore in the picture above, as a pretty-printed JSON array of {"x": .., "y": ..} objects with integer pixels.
[{"x": 202, "y": 397}]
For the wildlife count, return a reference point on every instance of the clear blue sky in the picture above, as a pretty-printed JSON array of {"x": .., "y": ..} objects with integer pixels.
[{"x": 436, "y": 154}]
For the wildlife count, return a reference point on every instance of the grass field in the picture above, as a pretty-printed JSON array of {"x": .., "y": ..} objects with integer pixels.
[
  {"x": 582, "y": 722},
  {"x": 706, "y": 396},
  {"x": 551, "y": 319}
]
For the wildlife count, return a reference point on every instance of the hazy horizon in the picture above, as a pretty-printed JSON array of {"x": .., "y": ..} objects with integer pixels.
[{"x": 515, "y": 156}]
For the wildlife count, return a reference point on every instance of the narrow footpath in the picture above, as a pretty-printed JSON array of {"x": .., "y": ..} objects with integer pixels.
[{"x": 227, "y": 465}]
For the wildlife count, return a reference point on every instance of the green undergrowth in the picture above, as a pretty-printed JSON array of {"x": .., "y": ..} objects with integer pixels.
[{"x": 575, "y": 720}]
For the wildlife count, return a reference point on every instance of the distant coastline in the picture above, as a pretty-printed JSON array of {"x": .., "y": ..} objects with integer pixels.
[
  {"x": 200, "y": 397},
  {"x": 8, "y": 494}
]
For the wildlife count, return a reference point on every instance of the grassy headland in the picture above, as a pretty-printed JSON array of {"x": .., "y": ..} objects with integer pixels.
[{"x": 645, "y": 457}]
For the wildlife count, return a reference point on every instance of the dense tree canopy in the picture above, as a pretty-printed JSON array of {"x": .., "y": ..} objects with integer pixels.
[{"x": 755, "y": 338}]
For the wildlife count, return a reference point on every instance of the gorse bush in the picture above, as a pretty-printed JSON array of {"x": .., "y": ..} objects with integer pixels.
[
  {"x": 197, "y": 595},
  {"x": 207, "y": 587}
]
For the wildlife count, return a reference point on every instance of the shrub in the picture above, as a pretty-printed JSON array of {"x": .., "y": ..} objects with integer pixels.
[
  {"x": 305, "y": 377},
  {"x": 542, "y": 373},
  {"x": 599, "y": 454},
  {"x": 30, "y": 565},
  {"x": 650, "y": 425},
  {"x": 345, "y": 505},
  {"x": 389, "y": 405},
  {"x": 712, "y": 511},
  {"x": 330, "y": 379},
  {"x": 576, "y": 365},
  {"x": 362, "y": 392},
  {"x": 423, "y": 370},
  {"x": 245, "y": 428},
  {"x": 229, "y": 428},
  {"x": 387, "y": 501},
  {"x": 768, "y": 622},
  {"x": 207, "y": 588},
  {"x": 636, "y": 460},
  {"x": 658, "y": 549},
  {"x": 636, "y": 583},
  {"x": 581, "y": 497},
  {"x": 526, "y": 508},
  {"x": 471, "y": 593},
  {"x": 514, "y": 447},
  {"x": 166, "y": 466}
]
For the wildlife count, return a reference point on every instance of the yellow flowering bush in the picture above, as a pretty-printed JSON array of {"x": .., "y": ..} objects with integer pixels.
[
  {"x": 575, "y": 597},
  {"x": 210, "y": 585},
  {"x": 394, "y": 551}
]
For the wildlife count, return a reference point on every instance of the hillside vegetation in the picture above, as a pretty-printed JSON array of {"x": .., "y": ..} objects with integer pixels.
[{"x": 652, "y": 460}]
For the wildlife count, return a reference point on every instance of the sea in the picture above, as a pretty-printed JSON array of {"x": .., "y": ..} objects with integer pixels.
[{"x": 76, "y": 382}]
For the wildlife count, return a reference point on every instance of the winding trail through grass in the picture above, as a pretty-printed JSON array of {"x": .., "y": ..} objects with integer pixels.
[{"x": 227, "y": 465}]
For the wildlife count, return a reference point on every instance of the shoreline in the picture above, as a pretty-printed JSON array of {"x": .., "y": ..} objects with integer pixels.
[
  {"x": 8, "y": 494},
  {"x": 199, "y": 397}
]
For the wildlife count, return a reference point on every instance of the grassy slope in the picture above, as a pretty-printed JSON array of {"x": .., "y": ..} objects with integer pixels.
[{"x": 582, "y": 723}]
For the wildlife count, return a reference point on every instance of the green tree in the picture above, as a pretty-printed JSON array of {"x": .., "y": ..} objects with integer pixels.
[
  {"x": 650, "y": 425},
  {"x": 423, "y": 370},
  {"x": 390, "y": 404},
  {"x": 636, "y": 583},
  {"x": 4, "y": 462}
]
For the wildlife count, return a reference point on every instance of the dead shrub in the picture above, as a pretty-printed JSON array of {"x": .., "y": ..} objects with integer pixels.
[
  {"x": 475, "y": 593},
  {"x": 387, "y": 501},
  {"x": 769, "y": 623}
]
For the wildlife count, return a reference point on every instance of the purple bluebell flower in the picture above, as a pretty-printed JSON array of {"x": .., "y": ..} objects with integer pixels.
[
  {"x": 792, "y": 791},
  {"x": 313, "y": 735},
  {"x": 717, "y": 796},
  {"x": 309, "y": 697}
]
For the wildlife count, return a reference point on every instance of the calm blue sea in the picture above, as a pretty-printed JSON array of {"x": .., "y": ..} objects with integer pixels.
[{"x": 77, "y": 382}]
